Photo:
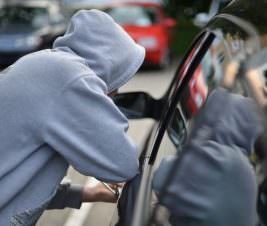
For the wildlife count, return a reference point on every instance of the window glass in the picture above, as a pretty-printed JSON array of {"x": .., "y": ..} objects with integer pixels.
[
  {"x": 207, "y": 76},
  {"x": 134, "y": 15},
  {"x": 231, "y": 43},
  {"x": 29, "y": 16}
]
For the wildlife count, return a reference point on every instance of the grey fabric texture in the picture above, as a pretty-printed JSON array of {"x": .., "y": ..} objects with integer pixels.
[
  {"x": 54, "y": 112},
  {"x": 214, "y": 183}
]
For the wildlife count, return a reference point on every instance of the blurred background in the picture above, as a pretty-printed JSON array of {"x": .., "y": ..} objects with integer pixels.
[{"x": 164, "y": 28}]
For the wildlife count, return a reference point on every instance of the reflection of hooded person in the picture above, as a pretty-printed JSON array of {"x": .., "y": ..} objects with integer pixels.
[
  {"x": 54, "y": 112},
  {"x": 212, "y": 182}
]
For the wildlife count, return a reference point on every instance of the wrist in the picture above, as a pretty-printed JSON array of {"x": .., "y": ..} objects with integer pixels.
[{"x": 89, "y": 194}]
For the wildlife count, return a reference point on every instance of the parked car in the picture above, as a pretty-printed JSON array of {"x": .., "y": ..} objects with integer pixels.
[
  {"x": 234, "y": 35},
  {"x": 71, "y": 6},
  {"x": 28, "y": 26},
  {"x": 149, "y": 26},
  {"x": 145, "y": 21}
]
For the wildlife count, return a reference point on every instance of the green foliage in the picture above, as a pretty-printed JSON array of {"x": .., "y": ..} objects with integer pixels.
[
  {"x": 184, "y": 35},
  {"x": 180, "y": 7},
  {"x": 184, "y": 11}
]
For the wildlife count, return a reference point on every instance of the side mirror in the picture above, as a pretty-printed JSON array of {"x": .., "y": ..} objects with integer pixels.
[
  {"x": 138, "y": 105},
  {"x": 169, "y": 23}
]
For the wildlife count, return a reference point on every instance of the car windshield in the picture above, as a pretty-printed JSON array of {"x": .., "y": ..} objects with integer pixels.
[
  {"x": 70, "y": 2},
  {"x": 134, "y": 15},
  {"x": 18, "y": 15}
]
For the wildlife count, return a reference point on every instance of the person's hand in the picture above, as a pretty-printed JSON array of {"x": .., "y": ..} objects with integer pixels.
[{"x": 100, "y": 193}]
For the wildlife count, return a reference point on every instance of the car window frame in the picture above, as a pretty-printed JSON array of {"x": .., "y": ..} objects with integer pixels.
[{"x": 172, "y": 97}]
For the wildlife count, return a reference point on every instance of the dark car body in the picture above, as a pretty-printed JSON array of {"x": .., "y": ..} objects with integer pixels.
[
  {"x": 234, "y": 35},
  {"x": 28, "y": 26}
]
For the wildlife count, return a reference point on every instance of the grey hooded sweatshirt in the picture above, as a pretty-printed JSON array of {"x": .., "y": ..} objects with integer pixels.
[
  {"x": 55, "y": 112},
  {"x": 213, "y": 182}
]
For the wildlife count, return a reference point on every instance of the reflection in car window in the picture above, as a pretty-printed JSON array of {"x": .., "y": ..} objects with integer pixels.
[
  {"x": 29, "y": 16},
  {"x": 207, "y": 76},
  {"x": 234, "y": 36},
  {"x": 134, "y": 15},
  {"x": 177, "y": 130}
]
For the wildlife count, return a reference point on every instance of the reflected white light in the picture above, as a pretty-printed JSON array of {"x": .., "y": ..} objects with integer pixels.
[
  {"x": 30, "y": 41},
  {"x": 148, "y": 42}
]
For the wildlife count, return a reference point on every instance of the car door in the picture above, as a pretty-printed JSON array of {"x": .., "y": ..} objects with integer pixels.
[
  {"x": 173, "y": 128},
  {"x": 204, "y": 67},
  {"x": 138, "y": 106}
]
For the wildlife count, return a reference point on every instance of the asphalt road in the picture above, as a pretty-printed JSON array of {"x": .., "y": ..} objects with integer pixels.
[{"x": 100, "y": 214}]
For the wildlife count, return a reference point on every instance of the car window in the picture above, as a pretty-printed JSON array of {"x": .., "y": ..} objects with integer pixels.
[
  {"x": 29, "y": 16},
  {"x": 134, "y": 15},
  {"x": 206, "y": 76}
]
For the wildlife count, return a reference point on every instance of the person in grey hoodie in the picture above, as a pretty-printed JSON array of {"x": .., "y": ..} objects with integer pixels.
[
  {"x": 55, "y": 112},
  {"x": 212, "y": 182}
]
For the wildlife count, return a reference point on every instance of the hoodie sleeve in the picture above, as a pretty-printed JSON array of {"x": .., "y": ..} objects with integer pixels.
[{"x": 89, "y": 131}]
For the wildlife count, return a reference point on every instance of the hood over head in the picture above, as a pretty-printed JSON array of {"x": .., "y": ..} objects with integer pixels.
[
  {"x": 236, "y": 124},
  {"x": 106, "y": 48}
]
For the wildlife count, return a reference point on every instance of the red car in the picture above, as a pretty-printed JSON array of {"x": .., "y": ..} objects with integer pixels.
[{"x": 147, "y": 25}]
